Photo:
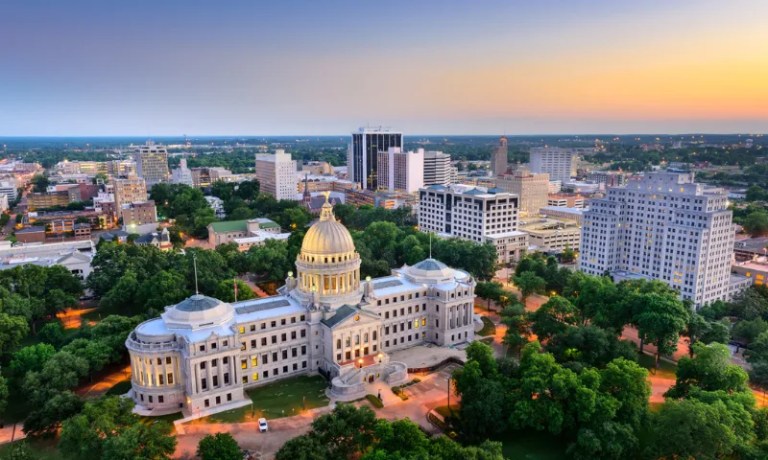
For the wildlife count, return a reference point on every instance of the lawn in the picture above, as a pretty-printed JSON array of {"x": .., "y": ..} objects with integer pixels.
[
  {"x": 280, "y": 399},
  {"x": 41, "y": 449},
  {"x": 666, "y": 369},
  {"x": 532, "y": 445},
  {"x": 120, "y": 388},
  {"x": 488, "y": 327}
]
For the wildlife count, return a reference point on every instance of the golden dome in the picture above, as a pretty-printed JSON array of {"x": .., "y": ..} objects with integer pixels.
[{"x": 327, "y": 236}]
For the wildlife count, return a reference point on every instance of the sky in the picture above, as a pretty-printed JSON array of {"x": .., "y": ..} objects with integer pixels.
[{"x": 251, "y": 67}]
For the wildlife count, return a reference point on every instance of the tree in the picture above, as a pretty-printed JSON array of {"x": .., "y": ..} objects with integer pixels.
[
  {"x": 152, "y": 441},
  {"x": 588, "y": 346},
  {"x": 554, "y": 317},
  {"x": 661, "y": 321},
  {"x": 693, "y": 429},
  {"x": 219, "y": 446},
  {"x": 304, "y": 447},
  {"x": 345, "y": 431},
  {"x": 528, "y": 283},
  {"x": 226, "y": 291},
  {"x": 84, "y": 435},
  {"x": 489, "y": 290},
  {"x": 568, "y": 255},
  {"x": 52, "y": 333},
  {"x": 701, "y": 330},
  {"x": 756, "y": 223},
  {"x": 518, "y": 325},
  {"x": 756, "y": 193},
  {"x": 3, "y": 395},
  {"x": 709, "y": 370},
  {"x": 31, "y": 358},
  {"x": 12, "y": 330}
]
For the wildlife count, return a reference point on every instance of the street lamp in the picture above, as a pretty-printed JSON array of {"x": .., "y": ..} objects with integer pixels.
[
  {"x": 380, "y": 356},
  {"x": 360, "y": 362}
]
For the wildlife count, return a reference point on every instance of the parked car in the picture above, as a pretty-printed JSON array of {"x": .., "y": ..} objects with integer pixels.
[{"x": 263, "y": 427}]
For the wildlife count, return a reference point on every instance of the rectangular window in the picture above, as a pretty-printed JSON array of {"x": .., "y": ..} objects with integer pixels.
[
  {"x": 245, "y": 379},
  {"x": 303, "y": 349},
  {"x": 203, "y": 383},
  {"x": 274, "y": 356},
  {"x": 229, "y": 396},
  {"x": 303, "y": 364},
  {"x": 253, "y": 343},
  {"x": 202, "y": 364},
  {"x": 303, "y": 333},
  {"x": 255, "y": 376},
  {"x": 295, "y": 366},
  {"x": 285, "y": 369},
  {"x": 207, "y": 403},
  {"x": 214, "y": 362},
  {"x": 253, "y": 328},
  {"x": 241, "y": 329},
  {"x": 215, "y": 381},
  {"x": 294, "y": 352},
  {"x": 218, "y": 399},
  {"x": 161, "y": 379},
  {"x": 202, "y": 347},
  {"x": 213, "y": 346},
  {"x": 254, "y": 361},
  {"x": 266, "y": 374},
  {"x": 285, "y": 354},
  {"x": 282, "y": 337},
  {"x": 263, "y": 341},
  {"x": 274, "y": 339},
  {"x": 170, "y": 378},
  {"x": 225, "y": 360},
  {"x": 168, "y": 360},
  {"x": 264, "y": 358},
  {"x": 282, "y": 322},
  {"x": 293, "y": 335},
  {"x": 242, "y": 346},
  {"x": 243, "y": 364}
]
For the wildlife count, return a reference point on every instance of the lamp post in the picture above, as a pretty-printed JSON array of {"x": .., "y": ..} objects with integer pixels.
[
  {"x": 360, "y": 362},
  {"x": 380, "y": 356}
]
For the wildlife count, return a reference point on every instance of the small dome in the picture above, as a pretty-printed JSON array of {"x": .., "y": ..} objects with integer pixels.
[
  {"x": 197, "y": 302},
  {"x": 431, "y": 268},
  {"x": 327, "y": 236}
]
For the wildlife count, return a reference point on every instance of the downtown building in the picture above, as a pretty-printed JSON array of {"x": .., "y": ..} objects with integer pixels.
[
  {"x": 555, "y": 161},
  {"x": 531, "y": 189},
  {"x": 363, "y": 154},
  {"x": 663, "y": 226},
  {"x": 201, "y": 354},
  {"x": 438, "y": 169},
  {"x": 127, "y": 191},
  {"x": 474, "y": 214},
  {"x": 499, "y": 158},
  {"x": 152, "y": 163},
  {"x": 400, "y": 171},
  {"x": 277, "y": 174}
]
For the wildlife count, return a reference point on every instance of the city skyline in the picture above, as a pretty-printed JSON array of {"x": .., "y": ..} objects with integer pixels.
[{"x": 327, "y": 68}]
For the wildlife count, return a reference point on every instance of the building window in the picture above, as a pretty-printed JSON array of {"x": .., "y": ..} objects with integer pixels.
[
  {"x": 255, "y": 376},
  {"x": 202, "y": 347},
  {"x": 225, "y": 360},
  {"x": 274, "y": 339},
  {"x": 242, "y": 346},
  {"x": 204, "y": 383},
  {"x": 241, "y": 329},
  {"x": 215, "y": 381},
  {"x": 266, "y": 374},
  {"x": 282, "y": 337},
  {"x": 243, "y": 364},
  {"x": 214, "y": 362},
  {"x": 170, "y": 378},
  {"x": 161, "y": 379},
  {"x": 285, "y": 369},
  {"x": 285, "y": 354},
  {"x": 303, "y": 333},
  {"x": 245, "y": 379},
  {"x": 253, "y": 328},
  {"x": 226, "y": 378},
  {"x": 168, "y": 360},
  {"x": 303, "y": 349},
  {"x": 254, "y": 361},
  {"x": 253, "y": 343},
  {"x": 202, "y": 364},
  {"x": 218, "y": 399},
  {"x": 207, "y": 403}
]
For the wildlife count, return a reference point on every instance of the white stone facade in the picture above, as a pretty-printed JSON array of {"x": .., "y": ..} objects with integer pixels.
[
  {"x": 201, "y": 354},
  {"x": 277, "y": 174},
  {"x": 474, "y": 214},
  {"x": 666, "y": 227}
]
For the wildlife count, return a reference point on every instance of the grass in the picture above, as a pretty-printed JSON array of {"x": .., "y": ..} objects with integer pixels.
[
  {"x": 40, "y": 449},
  {"x": 666, "y": 369},
  {"x": 488, "y": 327},
  {"x": 120, "y": 388},
  {"x": 532, "y": 445},
  {"x": 446, "y": 412},
  {"x": 280, "y": 399}
]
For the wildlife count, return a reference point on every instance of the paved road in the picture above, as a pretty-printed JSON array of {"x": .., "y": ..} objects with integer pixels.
[{"x": 423, "y": 396}]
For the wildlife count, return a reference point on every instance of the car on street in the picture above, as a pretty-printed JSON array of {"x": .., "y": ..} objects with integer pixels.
[{"x": 263, "y": 427}]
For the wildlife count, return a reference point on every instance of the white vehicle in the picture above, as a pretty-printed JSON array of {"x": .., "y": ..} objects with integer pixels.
[{"x": 263, "y": 427}]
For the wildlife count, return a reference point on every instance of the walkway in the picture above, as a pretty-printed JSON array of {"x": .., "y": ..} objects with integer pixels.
[
  {"x": 423, "y": 397},
  {"x": 104, "y": 383}
]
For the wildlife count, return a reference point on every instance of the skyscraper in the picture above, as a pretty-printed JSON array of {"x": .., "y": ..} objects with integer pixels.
[
  {"x": 499, "y": 160},
  {"x": 152, "y": 163},
  {"x": 363, "y": 155},
  {"x": 663, "y": 227},
  {"x": 437, "y": 168},
  {"x": 277, "y": 174},
  {"x": 555, "y": 161},
  {"x": 182, "y": 174},
  {"x": 401, "y": 171}
]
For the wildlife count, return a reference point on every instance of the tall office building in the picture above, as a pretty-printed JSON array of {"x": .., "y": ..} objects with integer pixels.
[
  {"x": 400, "y": 171},
  {"x": 531, "y": 189},
  {"x": 665, "y": 227},
  {"x": 555, "y": 161},
  {"x": 363, "y": 155},
  {"x": 475, "y": 214},
  {"x": 499, "y": 158},
  {"x": 130, "y": 190},
  {"x": 152, "y": 163},
  {"x": 437, "y": 168},
  {"x": 277, "y": 174}
]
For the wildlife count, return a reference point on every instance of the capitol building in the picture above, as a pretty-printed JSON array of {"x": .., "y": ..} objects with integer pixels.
[{"x": 202, "y": 354}]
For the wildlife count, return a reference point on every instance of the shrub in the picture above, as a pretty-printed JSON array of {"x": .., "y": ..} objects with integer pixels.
[{"x": 375, "y": 401}]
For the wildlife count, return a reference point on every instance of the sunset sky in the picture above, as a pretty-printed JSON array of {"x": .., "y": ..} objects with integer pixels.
[{"x": 425, "y": 67}]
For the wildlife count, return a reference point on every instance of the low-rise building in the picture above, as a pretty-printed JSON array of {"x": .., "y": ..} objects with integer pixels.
[
  {"x": 34, "y": 234},
  {"x": 75, "y": 255},
  {"x": 552, "y": 236},
  {"x": 565, "y": 200},
  {"x": 139, "y": 214},
  {"x": 563, "y": 213},
  {"x": 229, "y": 231},
  {"x": 755, "y": 269}
]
